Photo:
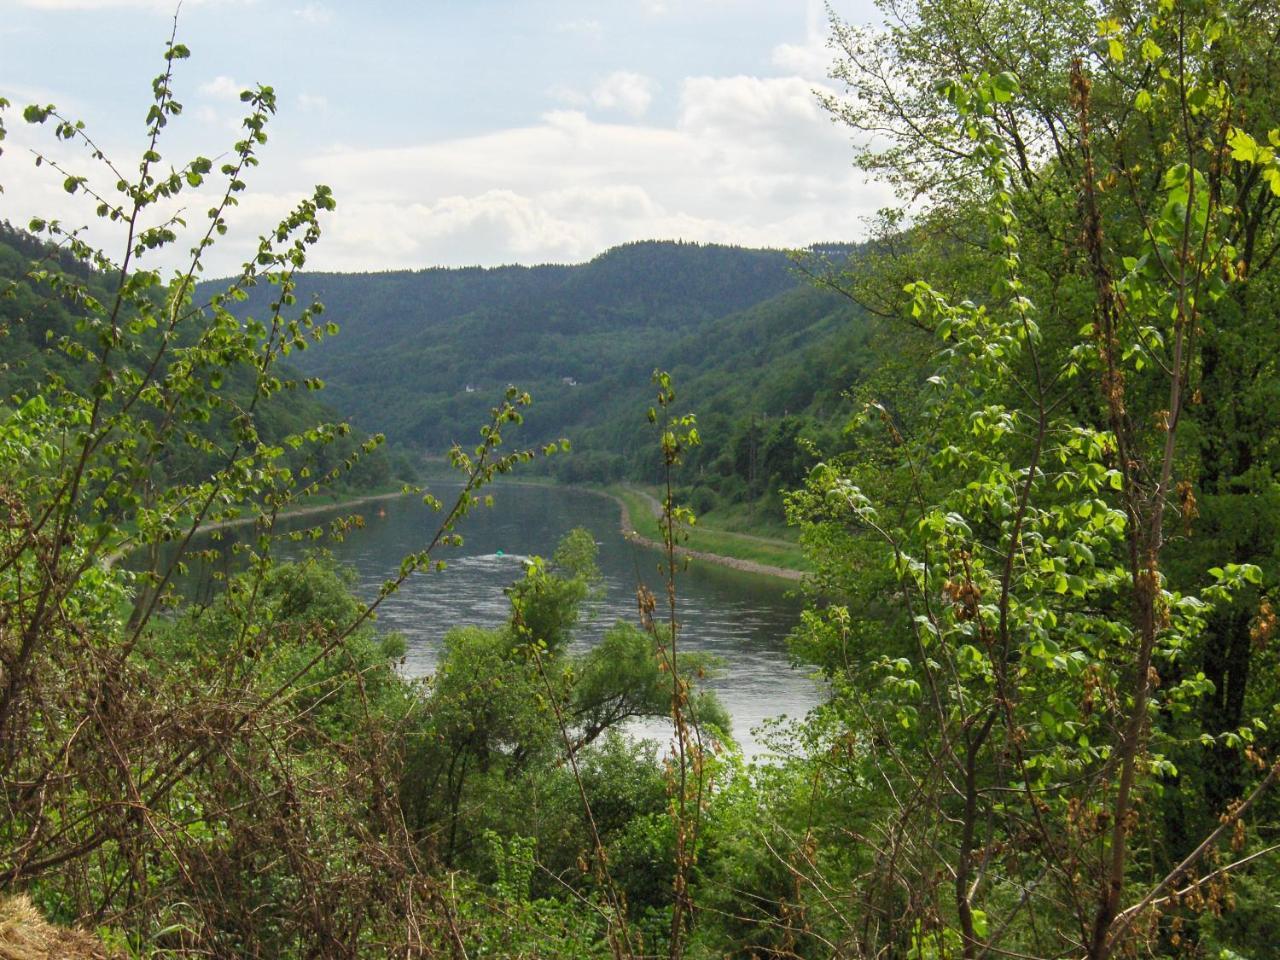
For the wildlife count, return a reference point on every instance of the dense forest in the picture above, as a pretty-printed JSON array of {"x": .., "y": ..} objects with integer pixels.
[
  {"x": 423, "y": 354},
  {"x": 1027, "y": 436},
  {"x": 32, "y": 320}
]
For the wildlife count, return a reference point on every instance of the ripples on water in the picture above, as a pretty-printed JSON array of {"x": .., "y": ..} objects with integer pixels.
[{"x": 740, "y": 618}]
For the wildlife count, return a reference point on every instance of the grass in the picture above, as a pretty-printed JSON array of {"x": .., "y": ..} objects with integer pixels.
[
  {"x": 750, "y": 519},
  {"x": 729, "y": 532},
  {"x": 337, "y": 498},
  {"x": 708, "y": 537}
]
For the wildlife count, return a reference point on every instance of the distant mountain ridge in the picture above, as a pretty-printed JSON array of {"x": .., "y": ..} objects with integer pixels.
[
  {"x": 423, "y": 354},
  {"x": 412, "y": 341}
]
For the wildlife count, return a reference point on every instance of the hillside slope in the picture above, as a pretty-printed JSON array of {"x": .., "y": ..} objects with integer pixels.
[
  {"x": 413, "y": 342},
  {"x": 43, "y": 331},
  {"x": 758, "y": 353}
]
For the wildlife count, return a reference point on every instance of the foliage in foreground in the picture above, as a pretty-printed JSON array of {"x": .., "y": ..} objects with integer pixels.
[
  {"x": 1041, "y": 599},
  {"x": 217, "y": 780},
  {"x": 1031, "y": 639},
  {"x": 251, "y": 776}
]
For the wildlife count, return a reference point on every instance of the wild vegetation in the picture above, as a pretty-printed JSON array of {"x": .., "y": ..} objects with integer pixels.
[{"x": 1042, "y": 530}]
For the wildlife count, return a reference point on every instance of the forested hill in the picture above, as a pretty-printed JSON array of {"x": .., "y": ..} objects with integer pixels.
[
  {"x": 422, "y": 355},
  {"x": 42, "y": 342}
]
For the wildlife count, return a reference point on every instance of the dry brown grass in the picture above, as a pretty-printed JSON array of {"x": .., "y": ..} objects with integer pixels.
[{"x": 26, "y": 935}]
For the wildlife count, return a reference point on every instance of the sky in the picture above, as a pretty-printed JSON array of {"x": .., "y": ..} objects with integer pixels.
[{"x": 459, "y": 133}]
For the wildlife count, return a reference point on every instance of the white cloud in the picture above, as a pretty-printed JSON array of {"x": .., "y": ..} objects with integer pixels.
[
  {"x": 749, "y": 160},
  {"x": 746, "y": 160},
  {"x": 627, "y": 200},
  {"x": 221, "y": 88},
  {"x": 314, "y": 13},
  {"x": 30, "y": 191},
  {"x": 592, "y": 29},
  {"x": 774, "y": 115},
  {"x": 622, "y": 91},
  {"x": 626, "y": 91},
  {"x": 812, "y": 58},
  {"x": 22, "y": 94},
  {"x": 488, "y": 227},
  {"x": 568, "y": 95},
  {"x": 312, "y": 103}
]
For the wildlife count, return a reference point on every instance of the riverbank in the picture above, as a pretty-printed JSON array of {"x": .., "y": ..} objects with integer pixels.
[
  {"x": 299, "y": 510},
  {"x": 330, "y": 504},
  {"x": 638, "y": 523},
  {"x": 764, "y": 556}
]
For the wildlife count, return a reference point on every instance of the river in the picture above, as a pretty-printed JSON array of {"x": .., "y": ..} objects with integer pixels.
[{"x": 741, "y": 618}]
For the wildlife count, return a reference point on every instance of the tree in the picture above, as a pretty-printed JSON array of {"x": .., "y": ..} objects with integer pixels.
[
  {"x": 507, "y": 703},
  {"x": 206, "y": 782},
  {"x": 1026, "y": 713}
]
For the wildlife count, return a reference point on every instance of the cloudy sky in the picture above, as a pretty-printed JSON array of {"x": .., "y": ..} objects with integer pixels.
[{"x": 463, "y": 131}]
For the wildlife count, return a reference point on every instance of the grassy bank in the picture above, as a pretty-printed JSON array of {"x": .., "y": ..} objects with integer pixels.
[
  {"x": 725, "y": 535},
  {"x": 317, "y": 503},
  {"x": 707, "y": 537}
]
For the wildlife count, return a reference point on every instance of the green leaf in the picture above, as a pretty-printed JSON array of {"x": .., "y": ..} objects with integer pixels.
[
  {"x": 1243, "y": 147},
  {"x": 1272, "y": 176},
  {"x": 980, "y": 923},
  {"x": 1176, "y": 176},
  {"x": 1005, "y": 86}
]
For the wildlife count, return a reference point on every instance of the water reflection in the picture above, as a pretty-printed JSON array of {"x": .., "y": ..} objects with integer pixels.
[{"x": 740, "y": 618}]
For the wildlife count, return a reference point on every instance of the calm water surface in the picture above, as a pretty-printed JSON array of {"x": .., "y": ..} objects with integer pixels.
[{"x": 742, "y": 619}]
